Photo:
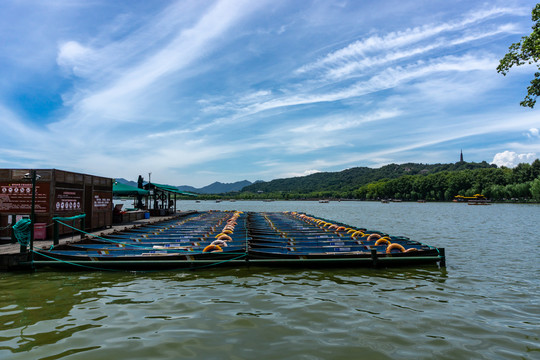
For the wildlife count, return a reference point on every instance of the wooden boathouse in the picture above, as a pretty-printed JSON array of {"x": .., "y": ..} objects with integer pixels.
[{"x": 58, "y": 193}]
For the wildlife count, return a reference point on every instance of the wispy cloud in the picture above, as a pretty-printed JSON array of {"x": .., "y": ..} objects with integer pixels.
[
  {"x": 385, "y": 60},
  {"x": 218, "y": 90},
  {"x": 115, "y": 99},
  {"x": 344, "y": 60},
  {"x": 356, "y": 67},
  {"x": 389, "y": 78},
  {"x": 533, "y": 133}
]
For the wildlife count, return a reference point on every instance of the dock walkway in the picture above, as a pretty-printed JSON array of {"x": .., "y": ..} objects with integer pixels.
[{"x": 10, "y": 254}]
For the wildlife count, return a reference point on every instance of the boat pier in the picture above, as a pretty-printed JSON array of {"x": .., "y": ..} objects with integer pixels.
[
  {"x": 11, "y": 257},
  {"x": 196, "y": 240}
]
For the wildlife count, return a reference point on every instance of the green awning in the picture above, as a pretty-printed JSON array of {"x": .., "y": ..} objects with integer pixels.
[
  {"x": 170, "y": 189},
  {"x": 120, "y": 189}
]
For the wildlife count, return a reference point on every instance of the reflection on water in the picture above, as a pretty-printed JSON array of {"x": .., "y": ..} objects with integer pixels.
[{"x": 484, "y": 305}]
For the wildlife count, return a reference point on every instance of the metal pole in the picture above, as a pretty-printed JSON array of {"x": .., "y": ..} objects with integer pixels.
[
  {"x": 374, "y": 257},
  {"x": 442, "y": 255},
  {"x": 12, "y": 222},
  {"x": 56, "y": 233},
  {"x": 150, "y": 200},
  {"x": 83, "y": 227},
  {"x": 32, "y": 212}
]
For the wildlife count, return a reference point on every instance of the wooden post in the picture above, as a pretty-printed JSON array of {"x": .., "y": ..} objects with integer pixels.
[
  {"x": 83, "y": 226},
  {"x": 56, "y": 233},
  {"x": 11, "y": 222},
  {"x": 33, "y": 210},
  {"x": 374, "y": 257},
  {"x": 442, "y": 255},
  {"x": 23, "y": 249}
]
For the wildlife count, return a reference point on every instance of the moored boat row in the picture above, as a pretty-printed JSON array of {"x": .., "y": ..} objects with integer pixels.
[{"x": 255, "y": 238}]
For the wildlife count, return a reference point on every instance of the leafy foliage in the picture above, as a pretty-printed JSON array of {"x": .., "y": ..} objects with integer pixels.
[
  {"x": 439, "y": 182},
  {"x": 351, "y": 179},
  {"x": 527, "y": 51}
]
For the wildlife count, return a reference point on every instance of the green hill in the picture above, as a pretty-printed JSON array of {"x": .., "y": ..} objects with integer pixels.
[{"x": 353, "y": 178}]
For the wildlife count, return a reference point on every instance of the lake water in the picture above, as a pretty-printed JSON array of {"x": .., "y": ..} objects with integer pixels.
[{"x": 484, "y": 305}]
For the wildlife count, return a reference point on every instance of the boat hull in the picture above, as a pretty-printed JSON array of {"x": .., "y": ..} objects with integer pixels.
[{"x": 252, "y": 239}]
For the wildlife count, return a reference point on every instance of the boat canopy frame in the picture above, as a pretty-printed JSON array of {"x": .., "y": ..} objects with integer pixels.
[{"x": 167, "y": 195}]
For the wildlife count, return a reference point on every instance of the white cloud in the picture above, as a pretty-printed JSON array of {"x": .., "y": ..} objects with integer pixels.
[
  {"x": 511, "y": 159},
  {"x": 71, "y": 54},
  {"x": 385, "y": 79},
  {"x": 533, "y": 133},
  {"x": 339, "y": 123},
  {"x": 391, "y": 147},
  {"x": 365, "y": 52},
  {"x": 132, "y": 86},
  {"x": 304, "y": 173},
  {"x": 179, "y": 90},
  {"x": 21, "y": 140},
  {"x": 11, "y": 125},
  {"x": 345, "y": 69}
]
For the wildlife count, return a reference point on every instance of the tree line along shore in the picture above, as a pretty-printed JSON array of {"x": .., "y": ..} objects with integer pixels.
[{"x": 407, "y": 182}]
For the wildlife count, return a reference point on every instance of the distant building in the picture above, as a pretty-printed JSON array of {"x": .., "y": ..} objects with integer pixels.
[{"x": 461, "y": 156}]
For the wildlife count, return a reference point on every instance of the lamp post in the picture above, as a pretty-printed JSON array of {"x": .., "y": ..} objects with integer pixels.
[
  {"x": 33, "y": 211},
  {"x": 33, "y": 176},
  {"x": 151, "y": 192}
]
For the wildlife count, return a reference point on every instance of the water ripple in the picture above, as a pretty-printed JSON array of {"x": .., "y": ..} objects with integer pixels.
[{"x": 484, "y": 305}]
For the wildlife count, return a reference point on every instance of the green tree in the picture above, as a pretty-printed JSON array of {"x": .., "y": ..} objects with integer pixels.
[
  {"x": 522, "y": 173},
  {"x": 497, "y": 192},
  {"x": 535, "y": 168},
  {"x": 527, "y": 51},
  {"x": 535, "y": 189},
  {"x": 458, "y": 183}
]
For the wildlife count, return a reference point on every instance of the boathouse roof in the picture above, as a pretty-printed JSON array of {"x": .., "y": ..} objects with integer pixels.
[
  {"x": 120, "y": 189},
  {"x": 168, "y": 188}
]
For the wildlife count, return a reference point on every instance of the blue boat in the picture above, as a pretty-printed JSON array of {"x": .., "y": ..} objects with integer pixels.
[{"x": 217, "y": 238}]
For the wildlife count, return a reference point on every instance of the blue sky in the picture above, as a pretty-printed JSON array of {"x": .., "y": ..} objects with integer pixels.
[{"x": 202, "y": 91}]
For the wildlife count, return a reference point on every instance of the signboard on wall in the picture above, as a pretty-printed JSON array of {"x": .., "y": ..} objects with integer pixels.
[
  {"x": 68, "y": 200},
  {"x": 16, "y": 198},
  {"x": 102, "y": 201}
]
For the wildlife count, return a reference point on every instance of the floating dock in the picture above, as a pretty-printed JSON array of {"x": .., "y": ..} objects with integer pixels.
[{"x": 233, "y": 238}]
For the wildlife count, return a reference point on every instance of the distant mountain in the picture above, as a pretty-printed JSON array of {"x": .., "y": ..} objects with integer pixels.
[
  {"x": 353, "y": 178},
  {"x": 217, "y": 187},
  {"x": 188, "y": 188},
  {"x": 126, "y": 182}
]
